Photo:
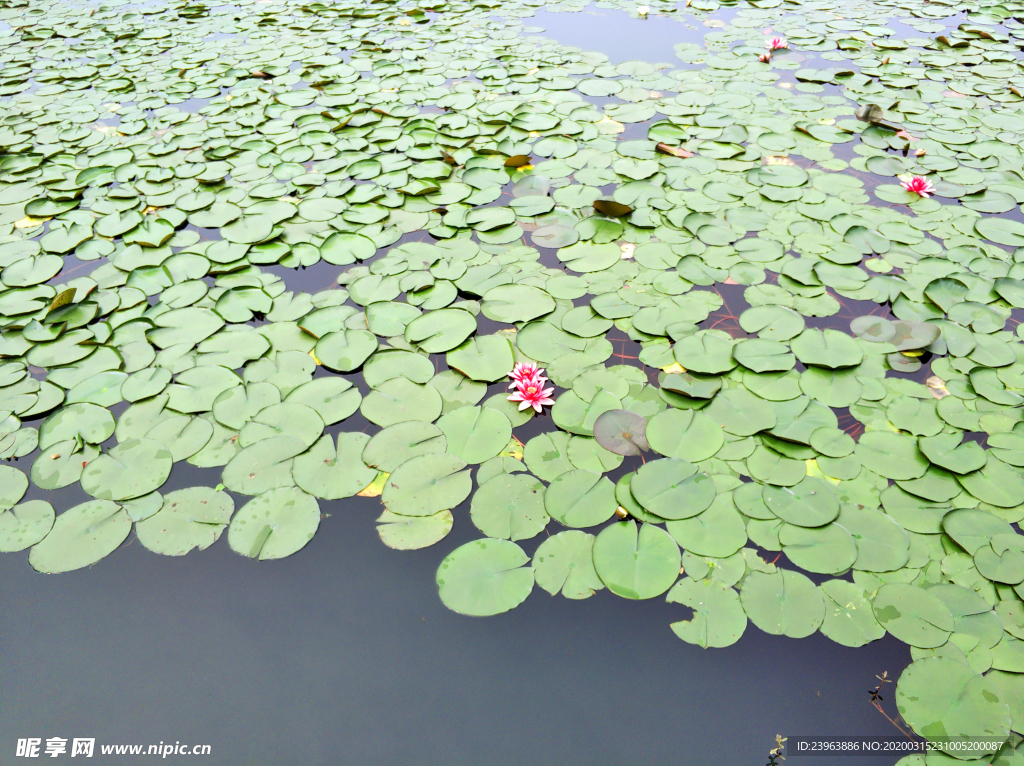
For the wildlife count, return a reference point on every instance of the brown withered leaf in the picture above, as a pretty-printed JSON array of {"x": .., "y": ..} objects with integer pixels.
[{"x": 675, "y": 151}]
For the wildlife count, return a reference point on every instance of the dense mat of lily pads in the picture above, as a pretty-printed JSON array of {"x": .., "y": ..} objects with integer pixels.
[{"x": 472, "y": 190}]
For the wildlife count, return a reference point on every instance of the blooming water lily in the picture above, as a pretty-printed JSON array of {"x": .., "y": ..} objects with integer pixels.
[
  {"x": 919, "y": 185},
  {"x": 529, "y": 384}
]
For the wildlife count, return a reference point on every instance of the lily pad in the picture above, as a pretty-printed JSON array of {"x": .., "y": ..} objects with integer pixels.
[
  {"x": 484, "y": 577},
  {"x": 334, "y": 471},
  {"x": 672, "y": 489},
  {"x": 564, "y": 563},
  {"x": 426, "y": 484},
  {"x": 636, "y": 564},
  {"x": 782, "y": 602},
  {"x": 945, "y": 701},
  {"x": 409, "y": 533},
  {"x": 275, "y": 524},
  {"x": 718, "y": 619},
  {"x": 621, "y": 432},
  {"x": 188, "y": 519},
  {"x": 510, "y": 507},
  {"x": 24, "y": 525},
  {"x": 131, "y": 469},
  {"x": 81, "y": 536}
]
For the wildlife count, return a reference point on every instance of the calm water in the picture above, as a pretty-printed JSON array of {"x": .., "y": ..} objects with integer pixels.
[{"x": 343, "y": 653}]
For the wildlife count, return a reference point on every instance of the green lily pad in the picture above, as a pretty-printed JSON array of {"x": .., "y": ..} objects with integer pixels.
[
  {"x": 475, "y": 434},
  {"x": 131, "y": 469},
  {"x": 895, "y": 456},
  {"x": 332, "y": 471},
  {"x": 442, "y": 330},
  {"x": 829, "y": 549},
  {"x": 13, "y": 484},
  {"x": 913, "y": 615},
  {"x": 81, "y": 536},
  {"x": 24, "y": 525},
  {"x": 718, "y": 617},
  {"x": 564, "y": 563},
  {"x": 426, "y": 484},
  {"x": 783, "y": 603},
  {"x": 516, "y": 303},
  {"x": 579, "y": 498},
  {"x": 395, "y": 444},
  {"x": 486, "y": 357},
  {"x": 274, "y": 524},
  {"x": 826, "y": 348},
  {"x": 945, "y": 701},
  {"x": 636, "y": 564},
  {"x": 510, "y": 507},
  {"x": 346, "y": 350},
  {"x": 809, "y": 503},
  {"x": 188, "y": 519},
  {"x": 409, "y": 533},
  {"x": 484, "y": 577},
  {"x": 848, "y": 617},
  {"x": 263, "y": 466},
  {"x": 672, "y": 489}
]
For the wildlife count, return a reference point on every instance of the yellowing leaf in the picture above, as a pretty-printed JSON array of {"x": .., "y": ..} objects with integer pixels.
[
  {"x": 375, "y": 487},
  {"x": 28, "y": 222},
  {"x": 813, "y": 470},
  {"x": 514, "y": 449}
]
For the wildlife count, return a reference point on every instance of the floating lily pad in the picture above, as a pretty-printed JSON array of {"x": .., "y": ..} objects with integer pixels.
[
  {"x": 395, "y": 444},
  {"x": 564, "y": 563},
  {"x": 672, "y": 489},
  {"x": 13, "y": 484},
  {"x": 81, "y": 536},
  {"x": 131, "y": 469},
  {"x": 636, "y": 564},
  {"x": 334, "y": 471},
  {"x": 188, "y": 519},
  {"x": 510, "y": 507},
  {"x": 782, "y": 603},
  {"x": 475, "y": 434},
  {"x": 579, "y": 498},
  {"x": 913, "y": 615},
  {"x": 621, "y": 432},
  {"x": 718, "y": 619},
  {"x": 485, "y": 577},
  {"x": 848, "y": 617},
  {"x": 275, "y": 524},
  {"x": 945, "y": 701},
  {"x": 426, "y": 484},
  {"x": 24, "y": 525}
]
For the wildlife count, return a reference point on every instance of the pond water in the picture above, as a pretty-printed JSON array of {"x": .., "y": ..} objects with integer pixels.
[
  {"x": 789, "y": 390},
  {"x": 344, "y": 654}
]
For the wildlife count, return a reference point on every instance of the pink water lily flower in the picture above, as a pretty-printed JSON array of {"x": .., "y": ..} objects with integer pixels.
[
  {"x": 531, "y": 393},
  {"x": 525, "y": 371},
  {"x": 919, "y": 185},
  {"x": 764, "y": 58},
  {"x": 776, "y": 43}
]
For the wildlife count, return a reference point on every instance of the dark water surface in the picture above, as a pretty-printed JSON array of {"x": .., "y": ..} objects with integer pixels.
[{"x": 343, "y": 654}]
